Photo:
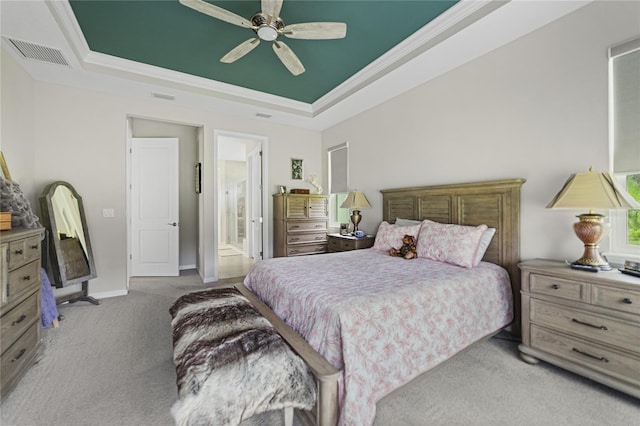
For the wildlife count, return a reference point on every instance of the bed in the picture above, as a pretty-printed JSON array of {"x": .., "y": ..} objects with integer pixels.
[{"x": 367, "y": 323}]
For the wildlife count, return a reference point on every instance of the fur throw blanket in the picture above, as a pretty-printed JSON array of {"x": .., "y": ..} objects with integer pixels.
[
  {"x": 13, "y": 200},
  {"x": 231, "y": 363}
]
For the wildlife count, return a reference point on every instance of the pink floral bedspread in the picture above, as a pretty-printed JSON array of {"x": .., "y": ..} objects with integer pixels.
[{"x": 382, "y": 320}]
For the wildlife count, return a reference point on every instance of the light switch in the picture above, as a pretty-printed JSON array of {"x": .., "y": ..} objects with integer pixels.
[{"x": 108, "y": 213}]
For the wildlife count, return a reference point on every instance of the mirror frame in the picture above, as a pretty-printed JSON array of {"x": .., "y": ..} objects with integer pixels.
[{"x": 57, "y": 273}]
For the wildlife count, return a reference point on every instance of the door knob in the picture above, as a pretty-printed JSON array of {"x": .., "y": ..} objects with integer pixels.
[{"x": 173, "y": 224}]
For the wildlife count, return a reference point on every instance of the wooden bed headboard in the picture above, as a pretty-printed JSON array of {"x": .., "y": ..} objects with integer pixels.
[{"x": 494, "y": 203}]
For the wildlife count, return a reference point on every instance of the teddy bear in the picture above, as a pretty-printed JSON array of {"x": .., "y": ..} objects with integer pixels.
[{"x": 408, "y": 249}]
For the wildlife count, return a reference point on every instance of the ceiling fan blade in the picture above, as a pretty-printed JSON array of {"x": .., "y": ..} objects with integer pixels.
[
  {"x": 288, "y": 58},
  {"x": 316, "y": 30},
  {"x": 272, "y": 7},
  {"x": 240, "y": 50},
  {"x": 217, "y": 12}
]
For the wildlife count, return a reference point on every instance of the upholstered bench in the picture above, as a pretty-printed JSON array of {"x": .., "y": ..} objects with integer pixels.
[{"x": 231, "y": 363}]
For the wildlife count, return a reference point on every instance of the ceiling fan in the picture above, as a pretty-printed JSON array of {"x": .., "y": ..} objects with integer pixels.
[{"x": 268, "y": 26}]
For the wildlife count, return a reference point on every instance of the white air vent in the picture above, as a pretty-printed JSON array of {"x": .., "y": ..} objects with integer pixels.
[
  {"x": 39, "y": 53},
  {"x": 163, "y": 96},
  {"x": 263, "y": 115}
]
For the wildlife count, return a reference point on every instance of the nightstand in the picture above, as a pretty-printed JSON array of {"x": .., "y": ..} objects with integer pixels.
[
  {"x": 339, "y": 242},
  {"x": 585, "y": 322}
]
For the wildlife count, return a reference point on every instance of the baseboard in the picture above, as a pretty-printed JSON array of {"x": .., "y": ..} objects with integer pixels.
[{"x": 108, "y": 294}]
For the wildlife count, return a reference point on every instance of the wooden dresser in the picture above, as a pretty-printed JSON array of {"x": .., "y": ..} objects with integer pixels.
[
  {"x": 585, "y": 322},
  {"x": 300, "y": 224},
  {"x": 20, "y": 304}
]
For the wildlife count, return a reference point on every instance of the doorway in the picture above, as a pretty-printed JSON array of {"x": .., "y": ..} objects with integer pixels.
[
  {"x": 187, "y": 219},
  {"x": 240, "y": 219}
]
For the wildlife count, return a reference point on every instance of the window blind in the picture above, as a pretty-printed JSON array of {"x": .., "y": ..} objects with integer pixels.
[
  {"x": 339, "y": 168},
  {"x": 625, "y": 104}
]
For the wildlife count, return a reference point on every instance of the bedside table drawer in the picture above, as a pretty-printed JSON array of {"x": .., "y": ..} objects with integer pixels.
[
  {"x": 342, "y": 244},
  {"x": 591, "y": 326},
  {"x": 559, "y": 287},
  {"x": 624, "y": 367},
  {"x": 622, "y": 300}
]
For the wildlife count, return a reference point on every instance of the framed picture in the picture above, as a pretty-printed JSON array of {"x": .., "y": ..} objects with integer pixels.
[
  {"x": 296, "y": 169},
  {"x": 198, "y": 178}
]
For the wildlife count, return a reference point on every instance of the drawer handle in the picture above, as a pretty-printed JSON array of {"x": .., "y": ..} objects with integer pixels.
[
  {"x": 555, "y": 286},
  {"x": 295, "y": 239},
  {"x": 34, "y": 247},
  {"x": 295, "y": 226},
  {"x": 627, "y": 301},
  {"x": 19, "y": 251},
  {"x": 26, "y": 278},
  {"x": 319, "y": 226},
  {"x": 601, "y": 327},
  {"x": 19, "y": 320},
  {"x": 17, "y": 357},
  {"x": 294, "y": 251},
  {"x": 598, "y": 358},
  {"x": 319, "y": 238}
]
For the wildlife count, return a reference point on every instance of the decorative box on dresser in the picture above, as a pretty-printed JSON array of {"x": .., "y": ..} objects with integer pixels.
[
  {"x": 20, "y": 305},
  {"x": 585, "y": 322},
  {"x": 339, "y": 242},
  {"x": 300, "y": 224}
]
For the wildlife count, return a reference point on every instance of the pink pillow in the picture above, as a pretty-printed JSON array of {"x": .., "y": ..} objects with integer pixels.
[
  {"x": 450, "y": 243},
  {"x": 391, "y": 235}
]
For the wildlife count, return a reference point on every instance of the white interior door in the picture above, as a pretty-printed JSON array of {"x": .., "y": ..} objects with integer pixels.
[
  {"x": 155, "y": 229},
  {"x": 255, "y": 203}
]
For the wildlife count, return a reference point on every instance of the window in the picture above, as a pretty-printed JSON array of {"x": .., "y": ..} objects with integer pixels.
[
  {"x": 624, "y": 107},
  {"x": 338, "y": 160}
]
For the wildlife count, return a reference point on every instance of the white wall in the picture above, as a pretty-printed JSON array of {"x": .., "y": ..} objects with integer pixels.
[
  {"x": 63, "y": 133},
  {"x": 535, "y": 109}
]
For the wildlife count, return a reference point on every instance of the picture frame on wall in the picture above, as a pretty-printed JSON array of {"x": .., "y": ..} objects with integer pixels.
[{"x": 297, "y": 171}]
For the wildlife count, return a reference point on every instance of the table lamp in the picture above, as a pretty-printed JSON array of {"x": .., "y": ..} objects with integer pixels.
[
  {"x": 591, "y": 190},
  {"x": 356, "y": 201}
]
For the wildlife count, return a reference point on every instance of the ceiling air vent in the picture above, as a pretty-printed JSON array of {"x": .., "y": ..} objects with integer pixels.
[
  {"x": 164, "y": 96},
  {"x": 40, "y": 53}
]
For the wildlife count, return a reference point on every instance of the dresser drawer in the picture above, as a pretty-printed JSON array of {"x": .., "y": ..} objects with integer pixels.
[
  {"x": 624, "y": 367},
  {"x": 24, "y": 251},
  {"x": 558, "y": 287},
  {"x": 16, "y": 321},
  {"x": 303, "y": 237},
  {"x": 306, "y": 226},
  {"x": 622, "y": 300},
  {"x": 13, "y": 360},
  {"x": 23, "y": 279},
  {"x": 306, "y": 249},
  {"x": 592, "y": 326}
]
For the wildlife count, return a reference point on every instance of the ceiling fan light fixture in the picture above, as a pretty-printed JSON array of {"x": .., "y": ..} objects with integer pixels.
[{"x": 267, "y": 33}]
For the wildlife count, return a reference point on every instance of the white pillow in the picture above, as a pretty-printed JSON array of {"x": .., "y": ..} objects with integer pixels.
[
  {"x": 407, "y": 222},
  {"x": 484, "y": 244},
  {"x": 389, "y": 235},
  {"x": 450, "y": 243}
]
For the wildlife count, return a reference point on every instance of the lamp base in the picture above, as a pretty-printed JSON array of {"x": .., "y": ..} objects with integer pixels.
[
  {"x": 356, "y": 217},
  {"x": 590, "y": 229}
]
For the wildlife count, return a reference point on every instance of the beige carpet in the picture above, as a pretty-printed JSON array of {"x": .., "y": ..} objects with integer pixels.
[{"x": 111, "y": 365}]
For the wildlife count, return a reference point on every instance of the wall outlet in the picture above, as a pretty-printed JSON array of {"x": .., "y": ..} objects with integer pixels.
[{"x": 108, "y": 213}]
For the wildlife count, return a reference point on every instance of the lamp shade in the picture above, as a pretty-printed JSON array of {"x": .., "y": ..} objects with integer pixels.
[
  {"x": 356, "y": 200},
  {"x": 592, "y": 190}
]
